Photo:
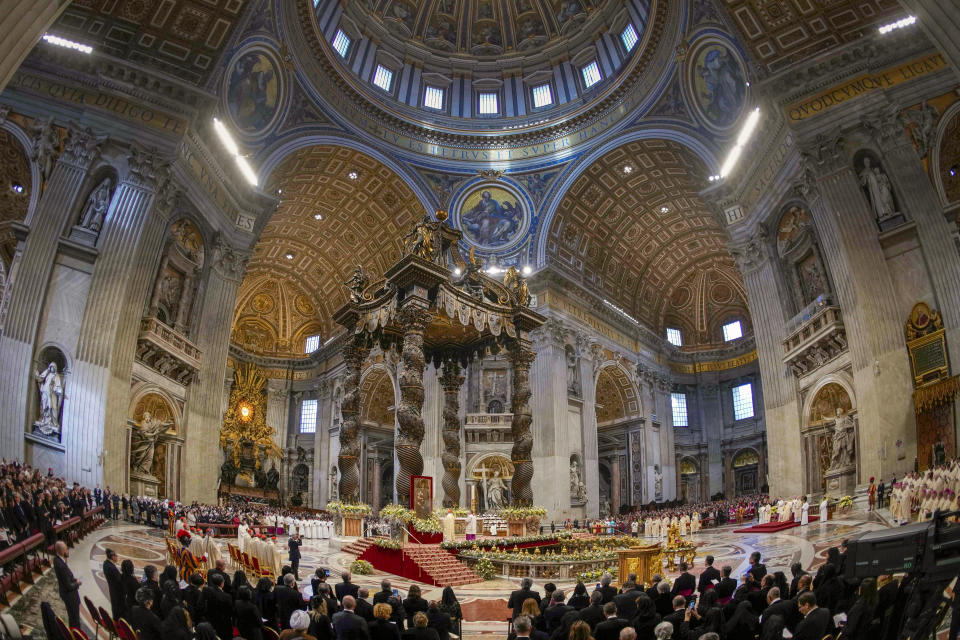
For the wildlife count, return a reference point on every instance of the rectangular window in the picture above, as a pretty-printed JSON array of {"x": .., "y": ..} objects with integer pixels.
[
  {"x": 308, "y": 416},
  {"x": 743, "y": 402},
  {"x": 383, "y": 77},
  {"x": 341, "y": 42},
  {"x": 678, "y": 403},
  {"x": 591, "y": 74},
  {"x": 629, "y": 37},
  {"x": 542, "y": 96},
  {"x": 674, "y": 337},
  {"x": 732, "y": 331},
  {"x": 488, "y": 103},
  {"x": 433, "y": 98},
  {"x": 313, "y": 343}
]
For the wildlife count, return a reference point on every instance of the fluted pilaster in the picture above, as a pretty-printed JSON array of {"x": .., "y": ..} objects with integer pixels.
[
  {"x": 22, "y": 23},
  {"x": 35, "y": 264}
]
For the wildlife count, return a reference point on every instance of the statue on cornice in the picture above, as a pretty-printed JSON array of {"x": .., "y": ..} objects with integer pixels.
[
  {"x": 46, "y": 141},
  {"x": 878, "y": 189},
  {"x": 421, "y": 241},
  {"x": 357, "y": 283},
  {"x": 517, "y": 285}
]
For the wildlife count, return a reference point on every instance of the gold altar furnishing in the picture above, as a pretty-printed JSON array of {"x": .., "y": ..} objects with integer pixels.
[
  {"x": 245, "y": 435},
  {"x": 643, "y": 561},
  {"x": 677, "y": 547}
]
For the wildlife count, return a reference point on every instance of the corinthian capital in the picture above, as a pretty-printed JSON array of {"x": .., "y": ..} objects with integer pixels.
[
  {"x": 825, "y": 154},
  {"x": 552, "y": 332},
  {"x": 887, "y": 125},
  {"x": 752, "y": 253},
  {"x": 228, "y": 262},
  {"x": 147, "y": 168},
  {"x": 82, "y": 147}
]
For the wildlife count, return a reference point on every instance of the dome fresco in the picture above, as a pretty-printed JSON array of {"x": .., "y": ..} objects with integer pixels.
[{"x": 482, "y": 27}]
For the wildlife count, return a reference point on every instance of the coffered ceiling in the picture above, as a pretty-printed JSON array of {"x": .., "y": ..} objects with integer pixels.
[{"x": 633, "y": 229}]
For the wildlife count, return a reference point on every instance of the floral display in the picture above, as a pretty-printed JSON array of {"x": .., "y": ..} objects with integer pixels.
[
  {"x": 484, "y": 569},
  {"x": 523, "y": 513},
  {"x": 346, "y": 509},
  {"x": 361, "y": 568},
  {"x": 388, "y": 543},
  {"x": 507, "y": 542}
]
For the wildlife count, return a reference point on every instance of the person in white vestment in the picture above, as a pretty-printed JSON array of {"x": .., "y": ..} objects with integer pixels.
[
  {"x": 449, "y": 527},
  {"x": 471, "y": 528},
  {"x": 823, "y": 510},
  {"x": 211, "y": 549},
  {"x": 241, "y": 536},
  {"x": 805, "y": 512}
]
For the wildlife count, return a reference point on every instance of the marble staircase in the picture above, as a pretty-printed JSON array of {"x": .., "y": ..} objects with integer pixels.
[{"x": 440, "y": 567}]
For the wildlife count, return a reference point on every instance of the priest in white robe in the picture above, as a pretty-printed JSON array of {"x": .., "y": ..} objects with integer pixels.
[
  {"x": 449, "y": 527},
  {"x": 805, "y": 512},
  {"x": 471, "y": 528},
  {"x": 823, "y": 509},
  {"x": 242, "y": 536}
]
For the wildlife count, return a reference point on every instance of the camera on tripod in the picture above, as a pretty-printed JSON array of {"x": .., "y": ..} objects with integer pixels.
[{"x": 931, "y": 549}]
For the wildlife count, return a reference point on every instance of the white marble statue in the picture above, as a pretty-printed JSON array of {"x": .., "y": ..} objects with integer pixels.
[
  {"x": 496, "y": 492},
  {"x": 51, "y": 394},
  {"x": 577, "y": 489},
  {"x": 96, "y": 208},
  {"x": 144, "y": 441},
  {"x": 879, "y": 190},
  {"x": 657, "y": 482},
  {"x": 843, "y": 447}
]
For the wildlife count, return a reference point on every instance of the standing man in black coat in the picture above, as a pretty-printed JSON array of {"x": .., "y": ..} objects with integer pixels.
[
  {"x": 685, "y": 584},
  {"x": 345, "y": 588},
  {"x": 708, "y": 576},
  {"x": 294, "y": 544},
  {"x": 610, "y": 628},
  {"x": 216, "y": 607},
  {"x": 593, "y": 615},
  {"x": 67, "y": 585},
  {"x": 727, "y": 585},
  {"x": 111, "y": 573},
  {"x": 517, "y": 597},
  {"x": 757, "y": 568},
  {"x": 288, "y": 600}
]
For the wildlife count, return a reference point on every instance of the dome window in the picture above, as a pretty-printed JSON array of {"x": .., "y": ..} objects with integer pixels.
[
  {"x": 674, "y": 337},
  {"x": 489, "y": 103},
  {"x": 341, "y": 43},
  {"x": 542, "y": 96},
  {"x": 629, "y": 37},
  {"x": 312, "y": 344},
  {"x": 732, "y": 331},
  {"x": 383, "y": 78},
  {"x": 433, "y": 98},
  {"x": 591, "y": 74}
]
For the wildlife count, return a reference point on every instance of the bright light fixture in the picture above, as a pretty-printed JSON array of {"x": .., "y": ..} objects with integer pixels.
[
  {"x": 17, "y": 188},
  {"x": 225, "y": 138},
  {"x": 353, "y": 175},
  {"x": 527, "y": 270},
  {"x": 68, "y": 44},
  {"x": 457, "y": 271},
  {"x": 746, "y": 132},
  {"x": 664, "y": 209},
  {"x": 627, "y": 169},
  {"x": 247, "y": 170},
  {"x": 899, "y": 24},
  {"x": 318, "y": 216},
  {"x": 289, "y": 256}
]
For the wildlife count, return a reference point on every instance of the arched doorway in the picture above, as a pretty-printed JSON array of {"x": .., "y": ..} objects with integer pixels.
[
  {"x": 489, "y": 480},
  {"x": 746, "y": 472}
]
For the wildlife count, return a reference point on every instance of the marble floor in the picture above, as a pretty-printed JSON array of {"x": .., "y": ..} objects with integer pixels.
[{"x": 483, "y": 604}]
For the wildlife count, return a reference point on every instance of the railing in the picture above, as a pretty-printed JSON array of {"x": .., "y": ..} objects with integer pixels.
[
  {"x": 794, "y": 323},
  {"x": 170, "y": 340},
  {"x": 489, "y": 420}
]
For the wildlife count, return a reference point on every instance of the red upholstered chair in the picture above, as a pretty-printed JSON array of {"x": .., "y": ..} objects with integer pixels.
[
  {"x": 94, "y": 613},
  {"x": 63, "y": 629},
  {"x": 125, "y": 631},
  {"x": 78, "y": 634},
  {"x": 270, "y": 634},
  {"x": 107, "y": 622}
]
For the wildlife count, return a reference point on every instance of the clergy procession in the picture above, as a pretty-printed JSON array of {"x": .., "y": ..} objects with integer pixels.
[{"x": 917, "y": 496}]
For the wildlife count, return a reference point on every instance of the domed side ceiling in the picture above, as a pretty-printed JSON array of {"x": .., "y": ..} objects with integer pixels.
[
  {"x": 363, "y": 220},
  {"x": 704, "y": 301},
  {"x": 482, "y": 27},
  {"x": 273, "y": 316},
  {"x": 14, "y": 170},
  {"x": 632, "y": 228}
]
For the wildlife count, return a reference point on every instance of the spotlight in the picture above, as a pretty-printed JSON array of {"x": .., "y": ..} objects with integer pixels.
[
  {"x": 664, "y": 209},
  {"x": 318, "y": 216},
  {"x": 899, "y": 24},
  {"x": 289, "y": 256},
  {"x": 457, "y": 271},
  {"x": 225, "y": 138},
  {"x": 247, "y": 170},
  {"x": 953, "y": 171},
  {"x": 17, "y": 188},
  {"x": 628, "y": 169},
  {"x": 68, "y": 44},
  {"x": 527, "y": 270},
  {"x": 353, "y": 175}
]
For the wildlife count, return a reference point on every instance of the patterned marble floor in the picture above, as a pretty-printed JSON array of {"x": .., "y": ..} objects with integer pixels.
[{"x": 484, "y": 604}]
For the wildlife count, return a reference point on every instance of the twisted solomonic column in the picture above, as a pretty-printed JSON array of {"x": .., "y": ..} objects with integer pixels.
[
  {"x": 348, "y": 459},
  {"x": 451, "y": 380},
  {"x": 520, "y": 489},
  {"x": 414, "y": 320}
]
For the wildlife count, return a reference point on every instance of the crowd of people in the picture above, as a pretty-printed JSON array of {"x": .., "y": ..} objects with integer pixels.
[
  {"x": 919, "y": 495},
  {"x": 714, "y": 606}
]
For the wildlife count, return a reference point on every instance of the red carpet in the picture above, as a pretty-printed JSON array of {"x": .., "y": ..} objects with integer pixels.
[{"x": 773, "y": 527}]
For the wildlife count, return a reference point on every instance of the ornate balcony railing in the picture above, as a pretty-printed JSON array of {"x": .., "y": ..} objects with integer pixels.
[
  {"x": 167, "y": 351},
  {"x": 488, "y": 427},
  {"x": 815, "y": 340}
]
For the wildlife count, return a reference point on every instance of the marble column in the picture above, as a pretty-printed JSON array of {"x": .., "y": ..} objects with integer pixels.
[
  {"x": 867, "y": 296},
  {"x": 521, "y": 493},
  {"x": 410, "y": 432},
  {"x": 319, "y": 472},
  {"x": 129, "y": 245},
  {"x": 729, "y": 485},
  {"x": 377, "y": 469},
  {"x": 27, "y": 291},
  {"x": 615, "y": 498},
  {"x": 766, "y": 298},
  {"x": 348, "y": 458},
  {"x": 204, "y": 402},
  {"x": 941, "y": 22},
  {"x": 666, "y": 441},
  {"x": 22, "y": 23},
  {"x": 451, "y": 380},
  {"x": 588, "y": 421},
  {"x": 711, "y": 421}
]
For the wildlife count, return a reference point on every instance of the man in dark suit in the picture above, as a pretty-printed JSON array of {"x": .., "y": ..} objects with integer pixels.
[
  {"x": 685, "y": 584},
  {"x": 111, "y": 574},
  {"x": 288, "y": 600},
  {"x": 348, "y": 625},
  {"x": 610, "y": 628},
  {"x": 294, "y": 544},
  {"x": 67, "y": 585},
  {"x": 652, "y": 589},
  {"x": 626, "y": 601},
  {"x": 757, "y": 568},
  {"x": 216, "y": 607},
  {"x": 346, "y": 588},
  {"x": 605, "y": 588},
  {"x": 816, "y": 621},
  {"x": 518, "y": 597},
  {"x": 786, "y": 609},
  {"x": 220, "y": 569},
  {"x": 679, "y": 611},
  {"x": 522, "y": 627},
  {"x": 555, "y": 611},
  {"x": 707, "y": 577},
  {"x": 727, "y": 584},
  {"x": 142, "y": 618},
  {"x": 593, "y": 614},
  {"x": 364, "y": 609}
]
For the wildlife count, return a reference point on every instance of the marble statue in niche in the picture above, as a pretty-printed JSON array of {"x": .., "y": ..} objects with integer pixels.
[
  {"x": 496, "y": 492},
  {"x": 50, "y": 385},
  {"x": 578, "y": 490},
  {"x": 334, "y": 484},
  {"x": 657, "y": 482},
  {"x": 573, "y": 371},
  {"x": 843, "y": 448},
  {"x": 879, "y": 192},
  {"x": 95, "y": 210},
  {"x": 144, "y": 442}
]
